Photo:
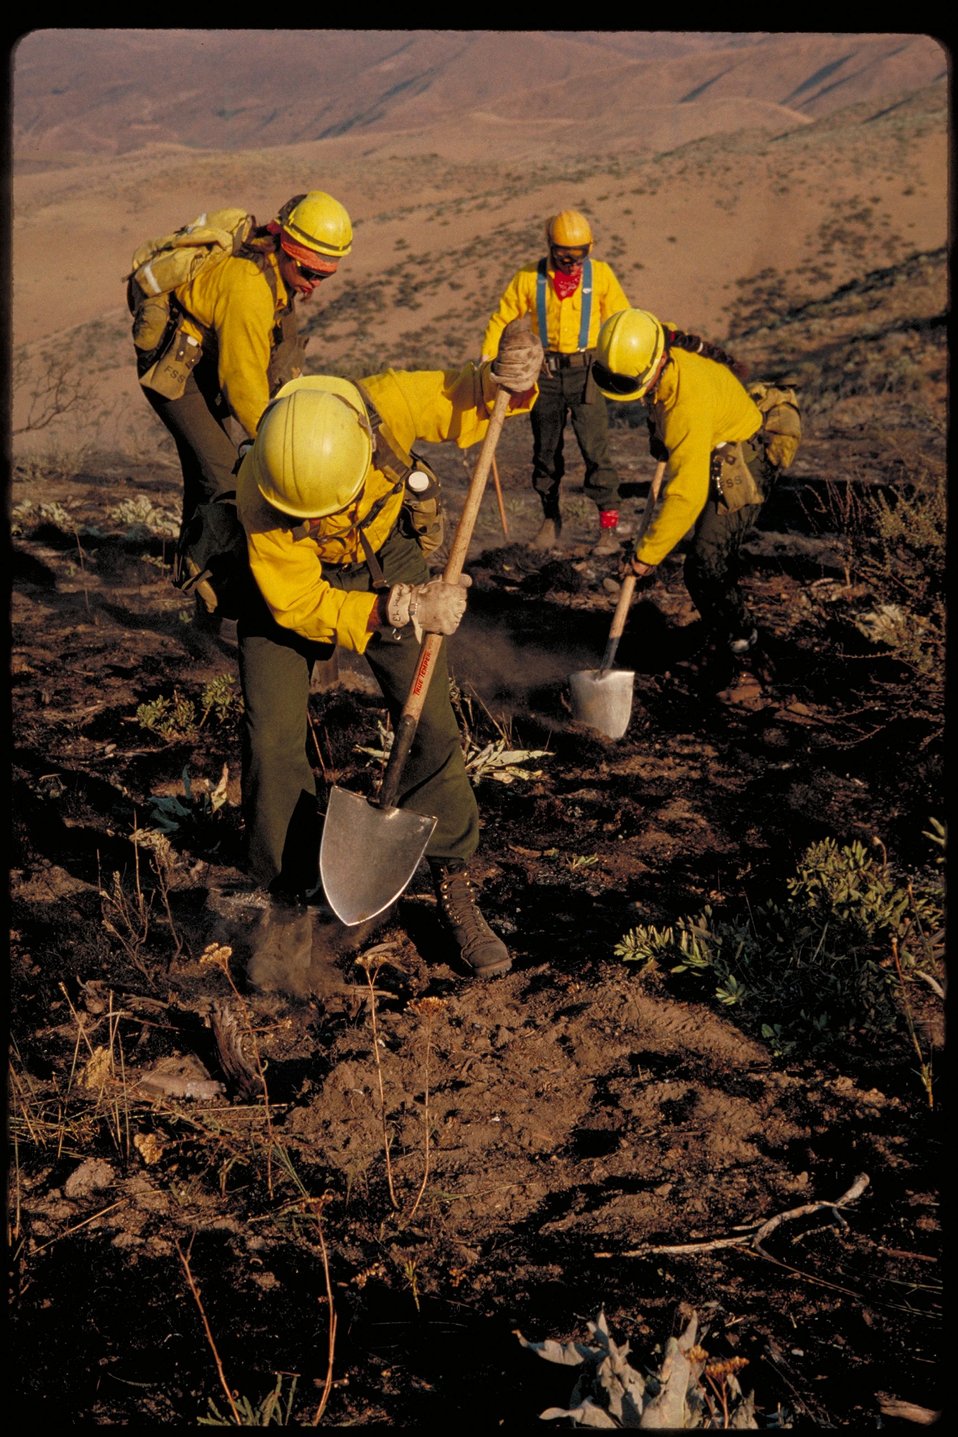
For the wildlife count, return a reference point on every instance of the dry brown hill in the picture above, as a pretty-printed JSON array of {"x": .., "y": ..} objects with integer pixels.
[
  {"x": 726, "y": 171},
  {"x": 112, "y": 91}
]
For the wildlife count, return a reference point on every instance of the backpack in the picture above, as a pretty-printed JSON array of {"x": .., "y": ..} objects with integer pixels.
[
  {"x": 781, "y": 420},
  {"x": 162, "y": 264}
]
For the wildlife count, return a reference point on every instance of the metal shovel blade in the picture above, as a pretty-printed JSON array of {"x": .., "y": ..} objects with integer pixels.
[
  {"x": 602, "y": 698},
  {"x": 368, "y": 854}
]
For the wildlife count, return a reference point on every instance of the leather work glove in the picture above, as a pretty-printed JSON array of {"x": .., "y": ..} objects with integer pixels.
[
  {"x": 635, "y": 567},
  {"x": 517, "y": 364},
  {"x": 433, "y": 608}
]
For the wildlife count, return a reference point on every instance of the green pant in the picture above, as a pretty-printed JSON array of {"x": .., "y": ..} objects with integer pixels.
[
  {"x": 283, "y": 822},
  {"x": 715, "y": 561},
  {"x": 211, "y": 537},
  {"x": 197, "y": 422},
  {"x": 572, "y": 393}
]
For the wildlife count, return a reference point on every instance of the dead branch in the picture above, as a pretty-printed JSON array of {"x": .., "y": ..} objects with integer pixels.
[
  {"x": 754, "y": 1236},
  {"x": 59, "y": 391},
  {"x": 855, "y": 1191}
]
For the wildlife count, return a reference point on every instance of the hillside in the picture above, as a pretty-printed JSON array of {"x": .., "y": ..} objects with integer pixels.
[
  {"x": 825, "y": 200},
  {"x": 85, "y": 92}
]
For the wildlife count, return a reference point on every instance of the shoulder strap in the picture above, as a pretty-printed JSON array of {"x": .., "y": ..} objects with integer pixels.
[
  {"x": 388, "y": 455},
  {"x": 586, "y": 304},
  {"x": 541, "y": 281}
]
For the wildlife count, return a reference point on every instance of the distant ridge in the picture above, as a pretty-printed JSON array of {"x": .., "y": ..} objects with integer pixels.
[{"x": 102, "y": 91}]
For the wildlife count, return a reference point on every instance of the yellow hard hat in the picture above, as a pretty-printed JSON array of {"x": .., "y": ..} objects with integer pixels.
[
  {"x": 628, "y": 352},
  {"x": 313, "y": 447},
  {"x": 569, "y": 227},
  {"x": 318, "y": 223}
]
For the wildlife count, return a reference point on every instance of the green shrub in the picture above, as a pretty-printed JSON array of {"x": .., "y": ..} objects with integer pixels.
[
  {"x": 176, "y": 719},
  {"x": 826, "y": 963}
]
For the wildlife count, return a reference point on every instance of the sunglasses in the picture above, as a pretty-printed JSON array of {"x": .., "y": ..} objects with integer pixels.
[
  {"x": 312, "y": 275},
  {"x": 570, "y": 256},
  {"x": 614, "y": 383}
]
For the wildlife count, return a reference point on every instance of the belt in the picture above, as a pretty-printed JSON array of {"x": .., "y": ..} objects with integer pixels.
[{"x": 575, "y": 360}]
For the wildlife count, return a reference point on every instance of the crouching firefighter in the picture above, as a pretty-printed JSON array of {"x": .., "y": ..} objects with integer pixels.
[
  {"x": 724, "y": 441},
  {"x": 339, "y": 514}
]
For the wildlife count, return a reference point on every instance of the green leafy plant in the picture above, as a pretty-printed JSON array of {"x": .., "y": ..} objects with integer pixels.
[
  {"x": 489, "y": 747},
  {"x": 28, "y": 516},
  {"x": 497, "y": 759},
  {"x": 835, "y": 958},
  {"x": 220, "y": 699},
  {"x": 171, "y": 718},
  {"x": 176, "y": 719}
]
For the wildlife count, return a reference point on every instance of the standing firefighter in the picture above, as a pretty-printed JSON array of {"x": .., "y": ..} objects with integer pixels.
[
  {"x": 723, "y": 455},
  {"x": 339, "y": 515},
  {"x": 568, "y": 294},
  {"x": 216, "y": 346}
]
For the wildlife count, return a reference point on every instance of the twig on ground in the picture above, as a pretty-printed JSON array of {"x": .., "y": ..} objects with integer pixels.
[
  {"x": 755, "y": 1236},
  {"x": 184, "y": 1259}
]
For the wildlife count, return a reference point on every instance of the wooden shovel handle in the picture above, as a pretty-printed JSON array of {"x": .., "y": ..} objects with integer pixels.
[
  {"x": 451, "y": 574},
  {"x": 617, "y": 626},
  {"x": 477, "y": 484}
]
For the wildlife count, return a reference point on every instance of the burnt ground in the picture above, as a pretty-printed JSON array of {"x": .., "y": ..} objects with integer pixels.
[{"x": 558, "y": 1140}]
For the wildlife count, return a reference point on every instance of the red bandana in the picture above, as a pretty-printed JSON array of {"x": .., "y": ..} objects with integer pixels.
[
  {"x": 566, "y": 284},
  {"x": 322, "y": 263}
]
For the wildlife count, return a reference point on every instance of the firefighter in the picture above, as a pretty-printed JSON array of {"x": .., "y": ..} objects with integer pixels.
[
  {"x": 338, "y": 561},
  {"x": 707, "y": 427},
  {"x": 241, "y": 312},
  {"x": 568, "y": 295}
]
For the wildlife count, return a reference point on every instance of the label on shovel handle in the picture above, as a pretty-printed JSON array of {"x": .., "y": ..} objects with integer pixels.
[{"x": 424, "y": 672}]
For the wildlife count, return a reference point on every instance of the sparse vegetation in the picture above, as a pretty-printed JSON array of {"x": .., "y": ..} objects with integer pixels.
[{"x": 827, "y": 965}]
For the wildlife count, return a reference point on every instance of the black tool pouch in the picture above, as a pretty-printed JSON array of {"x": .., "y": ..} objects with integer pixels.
[{"x": 211, "y": 558}]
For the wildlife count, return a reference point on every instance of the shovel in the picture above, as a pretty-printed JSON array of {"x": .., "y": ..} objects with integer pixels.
[
  {"x": 602, "y": 698},
  {"x": 370, "y": 849}
]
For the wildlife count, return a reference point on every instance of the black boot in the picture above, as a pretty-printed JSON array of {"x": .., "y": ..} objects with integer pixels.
[{"x": 481, "y": 951}]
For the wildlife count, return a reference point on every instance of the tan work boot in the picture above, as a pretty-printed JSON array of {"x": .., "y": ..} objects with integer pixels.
[
  {"x": 479, "y": 948},
  {"x": 548, "y": 535}
]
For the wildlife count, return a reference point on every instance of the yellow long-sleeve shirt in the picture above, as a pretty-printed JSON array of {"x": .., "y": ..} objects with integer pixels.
[
  {"x": 563, "y": 317},
  {"x": 698, "y": 404},
  {"x": 233, "y": 300},
  {"x": 287, "y": 556}
]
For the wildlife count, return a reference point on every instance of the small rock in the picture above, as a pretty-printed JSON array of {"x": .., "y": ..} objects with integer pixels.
[{"x": 92, "y": 1176}]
